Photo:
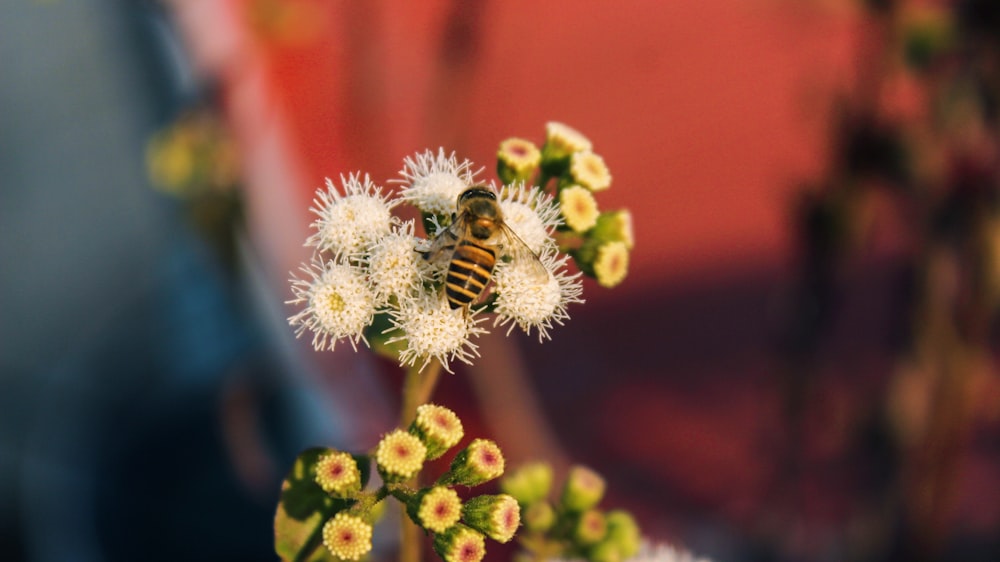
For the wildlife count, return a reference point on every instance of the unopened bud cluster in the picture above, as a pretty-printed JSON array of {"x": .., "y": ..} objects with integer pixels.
[
  {"x": 460, "y": 528},
  {"x": 194, "y": 157},
  {"x": 599, "y": 241},
  {"x": 567, "y": 523}
]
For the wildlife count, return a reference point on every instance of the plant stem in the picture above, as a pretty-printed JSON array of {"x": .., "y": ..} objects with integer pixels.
[{"x": 417, "y": 390}]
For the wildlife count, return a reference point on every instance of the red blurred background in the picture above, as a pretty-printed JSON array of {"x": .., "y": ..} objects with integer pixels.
[
  {"x": 711, "y": 116},
  {"x": 680, "y": 385}
]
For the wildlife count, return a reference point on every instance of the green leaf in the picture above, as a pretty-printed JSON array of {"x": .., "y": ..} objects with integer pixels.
[{"x": 303, "y": 509}]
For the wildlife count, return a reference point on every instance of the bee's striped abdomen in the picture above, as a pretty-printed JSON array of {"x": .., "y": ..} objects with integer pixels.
[{"x": 469, "y": 272}]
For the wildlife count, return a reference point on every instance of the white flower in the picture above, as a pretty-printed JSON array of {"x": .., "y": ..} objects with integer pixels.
[
  {"x": 531, "y": 214},
  {"x": 527, "y": 301},
  {"x": 433, "y": 183},
  {"x": 348, "y": 224},
  {"x": 431, "y": 329},
  {"x": 339, "y": 303},
  {"x": 395, "y": 267}
]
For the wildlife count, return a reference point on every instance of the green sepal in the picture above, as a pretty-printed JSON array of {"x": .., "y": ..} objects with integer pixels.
[
  {"x": 427, "y": 220},
  {"x": 585, "y": 255},
  {"x": 582, "y": 490},
  {"x": 554, "y": 167},
  {"x": 378, "y": 334},
  {"x": 590, "y": 528},
  {"x": 538, "y": 517},
  {"x": 623, "y": 532},
  {"x": 529, "y": 483}
]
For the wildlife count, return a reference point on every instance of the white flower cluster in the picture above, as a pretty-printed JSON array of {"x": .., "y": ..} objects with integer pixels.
[{"x": 366, "y": 261}]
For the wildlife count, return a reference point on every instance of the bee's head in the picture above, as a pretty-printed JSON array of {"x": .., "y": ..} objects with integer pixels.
[
  {"x": 476, "y": 192},
  {"x": 478, "y": 205}
]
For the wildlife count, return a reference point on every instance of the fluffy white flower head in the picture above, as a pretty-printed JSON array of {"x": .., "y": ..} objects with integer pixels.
[
  {"x": 348, "y": 224},
  {"x": 431, "y": 329},
  {"x": 394, "y": 266},
  {"x": 339, "y": 303},
  {"x": 527, "y": 301},
  {"x": 531, "y": 214},
  {"x": 433, "y": 183}
]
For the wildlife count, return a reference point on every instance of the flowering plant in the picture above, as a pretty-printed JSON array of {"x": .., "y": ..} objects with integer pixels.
[
  {"x": 490, "y": 249},
  {"x": 367, "y": 262}
]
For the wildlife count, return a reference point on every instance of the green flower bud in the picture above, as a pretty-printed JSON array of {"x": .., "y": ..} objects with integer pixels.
[
  {"x": 590, "y": 527},
  {"x": 605, "y": 261},
  {"x": 605, "y": 551},
  {"x": 498, "y": 517},
  {"x": 438, "y": 428},
  {"x": 928, "y": 33},
  {"x": 480, "y": 462},
  {"x": 338, "y": 474},
  {"x": 529, "y": 483},
  {"x": 399, "y": 456},
  {"x": 561, "y": 141},
  {"x": 578, "y": 208},
  {"x": 539, "y": 517},
  {"x": 589, "y": 170},
  {"x": 583, "y": 490},
  {"x": 435, "y": 509},
  {"x": 460, "y": 544},
  {"x": 623, "y": 532},
  {"x": 347, "y": 537},
  {"x": 517, "y": 160},
  {"x": 614, "y": 226}
]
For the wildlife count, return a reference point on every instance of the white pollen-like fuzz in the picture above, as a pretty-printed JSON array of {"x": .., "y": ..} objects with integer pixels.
[
  {"x": 529, "y": 302},
  {"x": 432, "y": 183},
  {"x": 339, "y": 303},
  {"x": 531, "y": 214},
  {"x": 348, "y": 224},
  {"x": 395, "y": 267},
  {"x": 432, "y": 330}
]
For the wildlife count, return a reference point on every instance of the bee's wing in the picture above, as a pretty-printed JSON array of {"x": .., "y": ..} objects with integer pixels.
[
  {"x": 439, "y": 250},
  {"x": 519, "y": 252}
]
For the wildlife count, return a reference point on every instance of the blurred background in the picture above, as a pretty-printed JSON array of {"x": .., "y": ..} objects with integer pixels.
[{"x": 802, "y": 359}]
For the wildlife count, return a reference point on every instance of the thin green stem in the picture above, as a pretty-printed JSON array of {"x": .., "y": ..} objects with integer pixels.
[{"x": 417, "y": 389}]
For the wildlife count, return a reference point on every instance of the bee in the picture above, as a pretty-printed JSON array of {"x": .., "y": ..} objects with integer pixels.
[{"x": 476, "y": 238}]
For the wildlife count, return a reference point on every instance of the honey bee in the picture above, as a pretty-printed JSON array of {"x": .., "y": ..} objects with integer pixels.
[{"x": 476, "y": 238}]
